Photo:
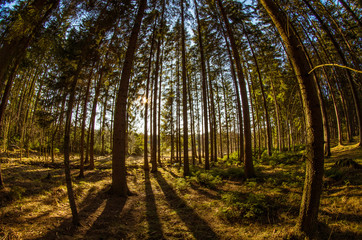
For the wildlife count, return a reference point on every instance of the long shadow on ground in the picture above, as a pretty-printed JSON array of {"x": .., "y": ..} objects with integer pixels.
[
  {"x": 199, "y": 227},
  {"x": 155, "y": 227},
  {"x": 109, "y": 223},
  {"x": 88, "y": 206}
]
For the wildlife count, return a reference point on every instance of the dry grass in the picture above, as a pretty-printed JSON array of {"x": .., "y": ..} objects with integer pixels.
[{"x": 166, "y": 206}]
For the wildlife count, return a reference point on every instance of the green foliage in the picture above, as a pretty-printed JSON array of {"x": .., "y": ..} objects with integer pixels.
[
  {"x": 278, "y": 158},
  {"x": 233, "y": 158},
  {"x": 182, "y": 184},
  {"x": 232, "y": 173},
  {"x": 244, "y": 206},
  {"x": 206, "y": 179}
]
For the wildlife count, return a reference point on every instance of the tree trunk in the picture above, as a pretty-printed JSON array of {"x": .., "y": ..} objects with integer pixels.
[
  {"x": 155, "y": 99},
  {"x": 67, "y": 129},
  {"x": 184, "y": 94},
  {"x": 266, "y": 112},
  {"x": 248, "y": 154},
  {"x": 226, "y": 116},
  {"x": 119, "y": 181},
  {"x": 307, "y": 221},
  {"x": 204, "y": 89},
  {"x": 145, "y": 138}
]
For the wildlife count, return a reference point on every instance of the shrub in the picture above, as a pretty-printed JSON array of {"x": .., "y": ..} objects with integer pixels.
[
  {"x": 181, "y": 184},
  {"x": 206, "y": 179},
  {"x": 233, "y": 158},
  {"x": 230, "y": 173},
  {"x": 244, "y": 206},
  {"x": 278, "y": 158}
]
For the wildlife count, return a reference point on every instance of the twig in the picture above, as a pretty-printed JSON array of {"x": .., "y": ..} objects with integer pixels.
[{"x": 334, "y": 65}]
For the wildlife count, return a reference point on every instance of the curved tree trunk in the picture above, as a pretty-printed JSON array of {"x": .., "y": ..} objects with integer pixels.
[
  {"x": 67, "y": 130},
  {"x": 307, "y": 221}
]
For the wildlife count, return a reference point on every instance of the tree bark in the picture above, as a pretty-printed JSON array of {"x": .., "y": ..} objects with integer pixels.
[
  {"x": 248, "y": 154},
  {"x": 184, "y": 94},
  {"x": 145, "y": 138},
  {"x": 307, "y": 221},
  {"x": 67, "y": 130},
  {"x": 204, "y": 89},
  {"x": 119, "y": 181},
  {"x": 266, "y": 112}
]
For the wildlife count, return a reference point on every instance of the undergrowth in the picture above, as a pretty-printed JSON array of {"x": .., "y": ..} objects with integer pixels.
[{"x": 251, "y": 206}]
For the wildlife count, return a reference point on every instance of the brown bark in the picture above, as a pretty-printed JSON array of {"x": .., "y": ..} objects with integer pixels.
[
  {"x": 307, "y": 221},
  {"x": 155, "y": 100},
  {"x": 184, "y": 94},
  {"x": 204, "y": 88},
  {"x": 119, "y": 181},
  {"x": 248, "y": 155},
  {"x": 67, "y": 150},
  {"x": 266, "y": 112},
  {"x": 145, "y": 139},
  {"x": 226, "y": 116}
]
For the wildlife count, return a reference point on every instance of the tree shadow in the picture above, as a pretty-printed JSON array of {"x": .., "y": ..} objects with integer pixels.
[
  {"x": 155, "y": 227},
  {"x": 109, "y": 223},
  {"x": 87, "y": 207},
  {"x": 204, "y": 192},
  {"x": 199, "y": 227},
  {"x": 327, "y": 232},
  {"x": 343, "y": 216},
  {"x": 169, "y": 170}
]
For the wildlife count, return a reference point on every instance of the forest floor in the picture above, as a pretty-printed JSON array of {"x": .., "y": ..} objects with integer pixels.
[{"x": 219, "y": 204}]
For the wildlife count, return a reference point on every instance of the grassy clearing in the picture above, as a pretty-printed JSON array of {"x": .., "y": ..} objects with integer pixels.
[{"x": 215, "y": 204}]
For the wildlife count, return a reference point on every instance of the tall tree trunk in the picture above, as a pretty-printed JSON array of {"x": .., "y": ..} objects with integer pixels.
[
  {"x": 93, "y": 117},
  {"x": 172, "y": 158},
  {"x": 119, "y": 181},
  {"x": 184, "y": 94},
  {"x": 211, "y": 115},
  {"x": 145, "y": 138},
  {"x": 155, "y": 99},
  {"x": 226, "y": 116},
  {"x": 104, "y": 122},
  {"x": 67, "y": 130},
  {"x": 159, "y": 114},
  {"x": 266, "y": 112},
  {"x": 204, "y": 89},
  {"x": 307, "y": 221},
  {"x": 248, "y": 154},
  {"x": 240, "y": 147},
  {"x": 327, "y": 150}
]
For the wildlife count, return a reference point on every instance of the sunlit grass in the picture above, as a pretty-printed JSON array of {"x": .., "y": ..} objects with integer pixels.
[{"x": 221, "y": 200}]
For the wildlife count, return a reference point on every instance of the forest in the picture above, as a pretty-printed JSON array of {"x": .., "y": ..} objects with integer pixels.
[{"x": 180, "y": 119}]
